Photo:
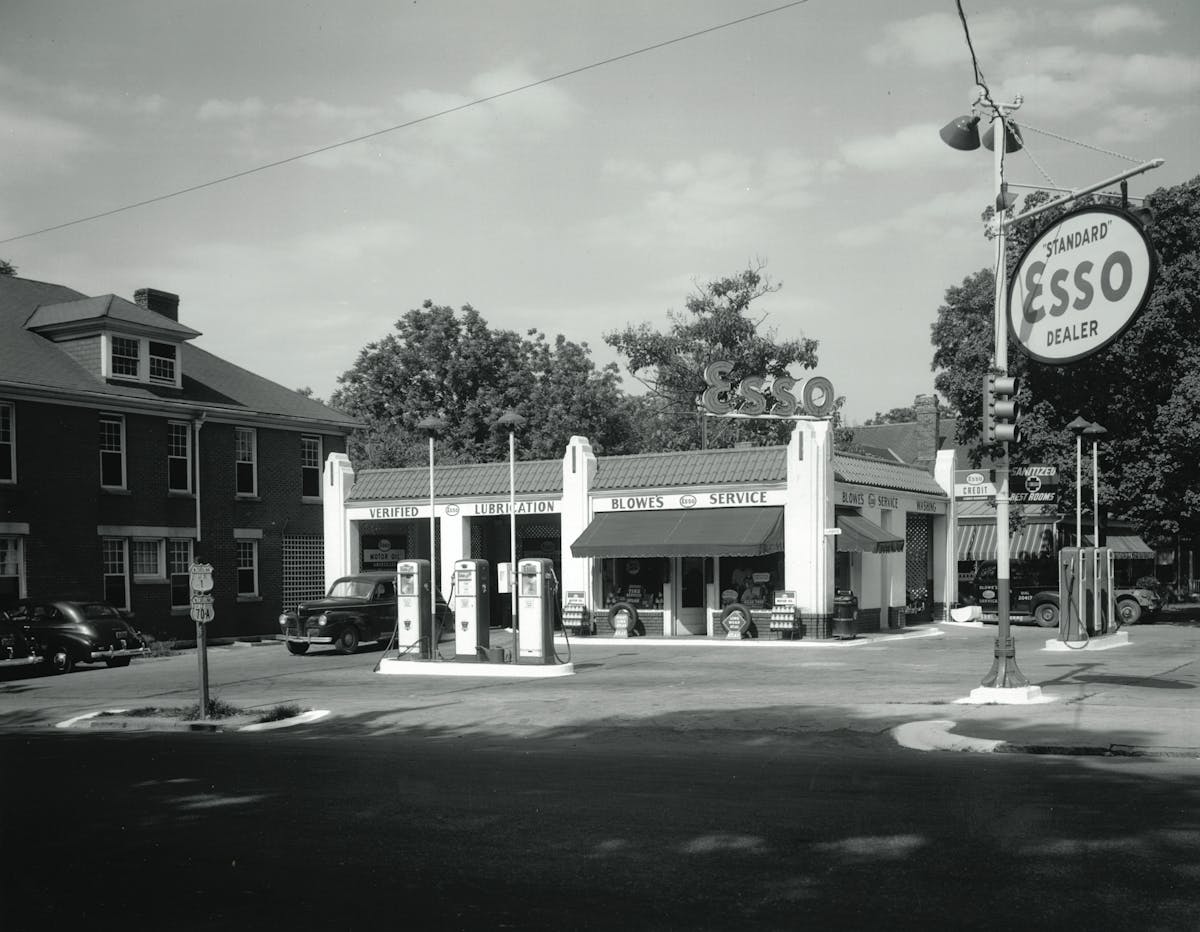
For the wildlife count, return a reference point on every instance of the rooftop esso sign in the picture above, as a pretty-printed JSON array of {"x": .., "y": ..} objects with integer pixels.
[
  {"x": 1080, "y": 285},
  {"x": 755, "y": 396}
]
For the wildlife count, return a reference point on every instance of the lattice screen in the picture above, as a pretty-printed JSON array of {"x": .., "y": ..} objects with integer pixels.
[
  {"x": 303, "y": 570},
  {"x": 918, "y": 550}
]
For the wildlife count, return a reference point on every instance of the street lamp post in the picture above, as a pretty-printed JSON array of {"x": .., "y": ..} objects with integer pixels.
[
  {"x": 512, "y": 422},
  {"x": 963, "y": 133},
  {"x": 1095, "y": 431},
  {"x": 431, "y": 426}
]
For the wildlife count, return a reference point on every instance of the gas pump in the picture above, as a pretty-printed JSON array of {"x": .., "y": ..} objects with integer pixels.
[
  {"x": 414, "y": 621},
  {"x": 535, "y": 609},
  {"x": 472, "y": 608},
  {"x": 1085, "y": 593}
]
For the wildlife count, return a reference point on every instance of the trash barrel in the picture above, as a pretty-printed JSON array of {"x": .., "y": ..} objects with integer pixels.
[{"x": 845, "y": 614}]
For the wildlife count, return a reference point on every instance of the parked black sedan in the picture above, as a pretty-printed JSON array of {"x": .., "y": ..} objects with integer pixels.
[
  {"x": 18, "y": 648},
  {"x": 79, "y": 632}
]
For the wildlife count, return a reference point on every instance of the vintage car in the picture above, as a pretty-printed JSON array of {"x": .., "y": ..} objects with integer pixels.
[
  {"x": 18, "y": 648},
  {"x": 1033, "y": 597},
  {"x": 358, "y": 609},
  {"x": 73, "y": 632}
]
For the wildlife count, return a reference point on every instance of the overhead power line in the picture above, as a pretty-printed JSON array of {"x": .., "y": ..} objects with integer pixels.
[{"x": 410, "y": 123}]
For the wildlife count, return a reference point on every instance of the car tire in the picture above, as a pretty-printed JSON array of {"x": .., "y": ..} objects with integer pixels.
[
  {"x": 117, "y": 662},
  {"x": 297, "y": 649},
  {"x": 1046, "y": 615},
  {"x": 347, "y": 642},
  {"x": 1130, "y": 611},
  {"x": 61, "y": 661}
]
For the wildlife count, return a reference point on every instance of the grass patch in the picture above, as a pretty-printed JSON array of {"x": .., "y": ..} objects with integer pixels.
[{"x": 280, "y": 712}]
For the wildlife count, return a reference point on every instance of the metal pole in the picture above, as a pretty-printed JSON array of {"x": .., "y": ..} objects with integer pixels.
[
  {"x": 202, "y": 663},
  {"x": 1096, "y": 540},
  {"x": 1004, "y": 672},
  {"x": 512, "y": 538},
  {"x": 1080, "y": 192},
  {"x": 1079, "y": 490},
  {"x": 432, "y": 554}
]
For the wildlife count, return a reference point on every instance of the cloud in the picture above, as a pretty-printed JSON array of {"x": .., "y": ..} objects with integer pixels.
[
  {"x": 936, "y": 40},
  {"x": 32, "y": 141},
  {"x": 246, "y": 109},
  {"x": 1121, "y": 20},
  {"x": 915, "y": 146},
  {"x": 715, "y": 198},
  {"x": 947, "y": 214}
]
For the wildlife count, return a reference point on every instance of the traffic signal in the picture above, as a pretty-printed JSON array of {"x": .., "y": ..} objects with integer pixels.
[{"x": 1000, "y": 409}]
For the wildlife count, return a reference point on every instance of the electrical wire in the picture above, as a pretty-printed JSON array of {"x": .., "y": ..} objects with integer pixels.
[
  {"x": 974, "y": 59},
  {"x": 416, "y": 121}
]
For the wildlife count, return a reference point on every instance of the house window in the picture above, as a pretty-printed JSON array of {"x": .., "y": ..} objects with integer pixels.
[
  {"x": 147, "y": 559},
  {"x": 179, "y": 457},
  {"x": 8, "y": 443},
  {"x": 112, "y": 451},
  {"x": 126, "y": 357},
  {"x": 116, "y": 578},
  {"x": 247, "y": 567},
  {"x": 10, "y": 571},
  {"x": 179, "y": 558},
  {"x": 310, "y": 458},
  {"x": 162, "y": 362},
  {"x": 246, "y": 454}
]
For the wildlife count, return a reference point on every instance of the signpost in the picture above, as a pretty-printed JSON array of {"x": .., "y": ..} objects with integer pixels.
[{"x": 200, "y": 576}]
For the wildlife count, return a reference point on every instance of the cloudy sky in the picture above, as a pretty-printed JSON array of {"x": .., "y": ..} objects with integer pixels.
[{"x": 805, "y": 139}]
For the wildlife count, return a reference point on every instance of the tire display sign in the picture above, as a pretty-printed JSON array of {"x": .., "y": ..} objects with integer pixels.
[{"x": 1080, "y": 284}]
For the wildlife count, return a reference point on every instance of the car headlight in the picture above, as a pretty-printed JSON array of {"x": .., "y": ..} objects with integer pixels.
[
  {"x": 283, "y": 621},
  {"x": 321, "y": 620}
]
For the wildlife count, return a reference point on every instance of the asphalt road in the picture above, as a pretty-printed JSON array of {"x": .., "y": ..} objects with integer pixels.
[
  {"x": 605, "y": 831},
  {"x": 675, "y": 789}
]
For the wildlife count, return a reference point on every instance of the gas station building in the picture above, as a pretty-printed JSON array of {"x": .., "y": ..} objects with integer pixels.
[{"x": 676, "y": 537}]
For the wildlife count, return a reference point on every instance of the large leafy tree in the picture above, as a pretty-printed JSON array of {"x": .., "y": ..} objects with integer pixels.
[
  {"x": 451, "y": 365},
  {"x": 718, "y": 324},
  {"x": 1143, "y": 388},
  {"x": 7, "y": 268}
]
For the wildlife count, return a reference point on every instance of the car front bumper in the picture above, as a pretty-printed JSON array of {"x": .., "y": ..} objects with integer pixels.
[
  {"x": 306, "y": 638},
  {"x": 121, "y": 652},
  {"x": 20, "y": 661}
]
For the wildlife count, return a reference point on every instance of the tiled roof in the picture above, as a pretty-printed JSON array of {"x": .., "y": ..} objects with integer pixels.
[
  {"x": 903, "y": 438},
  {"x": 33, "y": 362},
  {"x": 864, "y": 470},
  {"x": 455, "y": 481},
  {"x": 691, "y": 467}
]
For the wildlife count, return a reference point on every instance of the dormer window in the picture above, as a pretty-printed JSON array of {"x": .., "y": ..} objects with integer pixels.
[
  {"x": 126, "y": 358},
  {"x": 140, "y": 359},
  {"x": 162, "y": 362}
]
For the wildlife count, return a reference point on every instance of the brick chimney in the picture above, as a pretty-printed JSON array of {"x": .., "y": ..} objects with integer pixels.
[
  {"x": 161, "y": 302},
  {"x": 928, "y": 428}
]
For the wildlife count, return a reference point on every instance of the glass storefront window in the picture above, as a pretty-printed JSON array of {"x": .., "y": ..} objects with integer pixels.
[
  {"x": 638, "y": 581},
  {"x": 751, "y": 581}
]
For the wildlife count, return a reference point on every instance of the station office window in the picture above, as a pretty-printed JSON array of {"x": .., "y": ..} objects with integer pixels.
[
  {"x": 112, "y": 451},
  {"x": 310, "y": 461},
  {"x": 245, "y": 441},
  {"x": 8, "y": 443},
  {"x": 179, "y": 456}
]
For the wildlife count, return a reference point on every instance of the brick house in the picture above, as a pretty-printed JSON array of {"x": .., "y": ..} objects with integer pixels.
[{"x": 127, "y": 452}]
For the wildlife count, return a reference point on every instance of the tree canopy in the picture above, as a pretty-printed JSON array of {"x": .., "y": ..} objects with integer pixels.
[
  {"x": 1143, "y": 388},
  {"x": 717, "y": 325},
  {"x": 452, "y": 366}
]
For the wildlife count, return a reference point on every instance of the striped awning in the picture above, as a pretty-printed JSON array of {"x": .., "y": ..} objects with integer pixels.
[
  {"x": 1124, "y": 546},
  {"x": 978, "y": 541}
]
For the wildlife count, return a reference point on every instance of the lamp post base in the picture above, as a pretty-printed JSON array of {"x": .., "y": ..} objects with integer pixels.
[{"x": 1005, "y": 674}]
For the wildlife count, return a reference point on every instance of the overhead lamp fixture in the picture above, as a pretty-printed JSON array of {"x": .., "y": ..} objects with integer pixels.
[
  {"x": 962, "y": 133},
  {"x": 1012, "y": 135}
]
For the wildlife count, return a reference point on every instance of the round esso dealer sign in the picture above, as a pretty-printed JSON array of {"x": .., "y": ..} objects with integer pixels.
[{"x": 1080, "y": 285}]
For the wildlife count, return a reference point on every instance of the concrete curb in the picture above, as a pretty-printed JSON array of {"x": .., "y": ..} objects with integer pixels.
[
  {"x": 935, "y": 735},
  {"x": 751, "y": 643},
  {"x": 112, "y": 721}
]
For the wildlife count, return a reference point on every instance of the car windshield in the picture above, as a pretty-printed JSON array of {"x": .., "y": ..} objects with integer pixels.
[
  {"x": 98, "y": 610},
  {"x": 351, "y": 589}
]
